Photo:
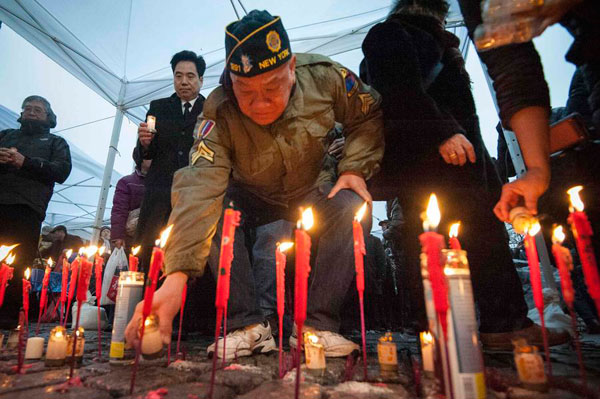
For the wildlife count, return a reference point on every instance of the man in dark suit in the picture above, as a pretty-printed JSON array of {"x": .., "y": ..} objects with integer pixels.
[{"x": 168, "y": 146}]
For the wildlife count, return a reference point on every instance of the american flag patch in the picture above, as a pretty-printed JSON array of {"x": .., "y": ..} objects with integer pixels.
[{"x": 205, "y": 128}]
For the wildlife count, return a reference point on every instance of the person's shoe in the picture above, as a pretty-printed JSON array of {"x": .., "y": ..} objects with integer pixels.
[
  {"x": 335, "y": 345},
  {"x": 246, "y": 341},
  {"x": 533, "y": 335}
]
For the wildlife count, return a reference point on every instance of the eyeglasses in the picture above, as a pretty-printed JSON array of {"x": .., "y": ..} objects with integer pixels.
[{"x": 34, "y": 110}]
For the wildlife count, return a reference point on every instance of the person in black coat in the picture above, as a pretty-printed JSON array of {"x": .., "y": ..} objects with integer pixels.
[
  {"x": 168, "y": 146},
  {"x": 433, "y": 144},
  {"x": 31, "y": 161}
]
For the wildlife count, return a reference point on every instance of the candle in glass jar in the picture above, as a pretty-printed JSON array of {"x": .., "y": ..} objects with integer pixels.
[
  {"x": 13, "y": 338},
  {"x": 387, "y": 353},
  {"x": 152, "y": 345},
  {"x": 56, "y": 352},
  {"x": 80, "y": 345},
  {"x": 427, "y": 351},
  {"x": 314, "y": 353},
  {"x": 34, "y": 348},
  {"x": 151, "y": 121},
  {"x": 530, "y": 366}
]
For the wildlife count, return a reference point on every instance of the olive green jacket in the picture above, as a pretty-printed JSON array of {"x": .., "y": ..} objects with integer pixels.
[{"x": 278, "y": 162}]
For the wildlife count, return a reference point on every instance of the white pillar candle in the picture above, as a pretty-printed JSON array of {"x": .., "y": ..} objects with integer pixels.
[
  {"x": 427, "y": 351},
  {"x": 387, "y": 353},
  {"x": 34, "y": 348},
  {"x": 57, "y": 347},
  {"x": 151, "y": 121},
  {"x": 152, "y": 342}
]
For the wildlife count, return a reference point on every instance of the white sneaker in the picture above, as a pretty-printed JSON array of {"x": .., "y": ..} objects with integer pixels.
[
  {"x": 246, "y": 341},
  {"x": 335, "y": 345}
]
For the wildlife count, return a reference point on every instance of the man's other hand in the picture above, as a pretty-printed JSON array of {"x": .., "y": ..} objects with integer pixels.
[
  {"x": 354, "y": 183},
  {"x": 17, "y": 158},
  {"x": 5, "y": 156},
  {"x": 336, "y": 149},
  {"x": 457, "y": 149},
  {"x": 118, "y": 243},
  {"x": 528, "y": 188},
  {"x": 165, "y": 305},
  {"x": 145, "y": 135}
]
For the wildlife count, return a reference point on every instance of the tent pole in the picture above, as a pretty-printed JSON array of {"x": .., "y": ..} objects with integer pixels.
[{"x": 108, "y": 169}]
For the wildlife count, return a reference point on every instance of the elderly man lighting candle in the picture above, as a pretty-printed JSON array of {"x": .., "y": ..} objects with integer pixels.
[{"x": 263, "y": 134}]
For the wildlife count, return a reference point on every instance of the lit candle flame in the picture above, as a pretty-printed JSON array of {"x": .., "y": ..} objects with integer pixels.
[
  {"x": 50, "y": 262},
  {"x": 284, "y": 246},
  {"x": 135, "y": 250},
  {"x": 10, "y": 259},
  {"x": 433, "y": 215},
  {"x": 81, "y": 251},
  {"x": 69, "y": 253},
  {"x": 426, "y": 337},
  {"x": 312, "y": 338},
  {"x": 58, "y": 334},
  {"x": 164, "y": 236},
  {"x": 454, "y": 229},
  {"x": 576, "y": 201},
  {"x": 558, "y": 235},
  {"x": 361, "y": 212},
  {"x": 534, "y": 228},
  {"x": 5, "y": 250},
  {"x": 27, "y": 273},
  {"x": 90, "y": 251},
  {"x": 101, "y": 250},
  {"x": 307, "y": 219}
]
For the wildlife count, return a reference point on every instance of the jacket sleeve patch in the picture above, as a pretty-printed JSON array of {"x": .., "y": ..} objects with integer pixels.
[
  {"x": 204, "y": 129},
  {"x": 205, "y": 152},
  {"x": 350, "y": 82},
  {"x": 367, "y": 100}
]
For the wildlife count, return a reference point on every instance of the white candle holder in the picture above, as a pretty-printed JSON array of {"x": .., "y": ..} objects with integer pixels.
[
  {"x": 56, "y": 352},
  {"x": 13, "y": 338},
  {"x": 152, "y": 345}
]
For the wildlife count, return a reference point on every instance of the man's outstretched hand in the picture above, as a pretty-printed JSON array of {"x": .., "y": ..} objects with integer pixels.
[
  {"x": 352, "y": 182},
  {"x": 165, "y": 305}
]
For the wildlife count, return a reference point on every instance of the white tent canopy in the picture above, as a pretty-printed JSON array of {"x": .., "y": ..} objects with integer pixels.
[
  {"x": 120, "y": 48},
  {"x": 73, "y": 202}
]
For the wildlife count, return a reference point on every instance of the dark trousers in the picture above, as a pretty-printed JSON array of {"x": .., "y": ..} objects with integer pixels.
[
  {"x": 18, "y": 224},
  {"x": 467, "y": 194},
  {"x": 154, "y": 215},
  {"x": 332, "y": 262}
]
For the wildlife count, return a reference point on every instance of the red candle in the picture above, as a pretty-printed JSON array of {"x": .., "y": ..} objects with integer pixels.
[
  {"x": 64, "y": 282},
  {"x": 280, "y": 261},
  {"x": 44, "y": 293},
  {"x": 536, "y": 283},
  {"x": 432, "y": 244},
  {"x": 156, "y": 263},
  {"x": 26, "y": 289},
  {"x": 98, "y": 262},
  {"x": 303, "y": 245},
  {"x": 83, "y": 282},
  {"x": 454, "y": 243},
  {"x": 133, "y": 259},
  {"x": 564, "y": 262},
  {"x": 582, "y": 231},
  {"x": 6, "y": 273},
  {"x": 181, "y": 309},
  {"x": 359, "y": 258}
]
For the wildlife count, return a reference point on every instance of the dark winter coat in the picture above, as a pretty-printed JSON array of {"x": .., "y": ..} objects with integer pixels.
[
  {"x": 423, "y": 104},
  {"x": 47, "y": 161},
  {"x": 128, "y": 197},
  {"x": 169, "y": 151}
]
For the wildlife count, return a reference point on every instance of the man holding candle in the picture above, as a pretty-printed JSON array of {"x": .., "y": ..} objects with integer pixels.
[
  {"x": 266, "y": 127},
  {"x": 31, "y": 161},
  {"x": 168, "y": 146}
]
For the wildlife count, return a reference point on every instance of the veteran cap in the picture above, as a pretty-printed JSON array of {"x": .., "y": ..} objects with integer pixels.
[{"x": 256, "y": 44}]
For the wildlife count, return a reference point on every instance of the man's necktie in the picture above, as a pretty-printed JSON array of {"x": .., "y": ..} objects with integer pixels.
[{"x": 186, "y": 113}]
